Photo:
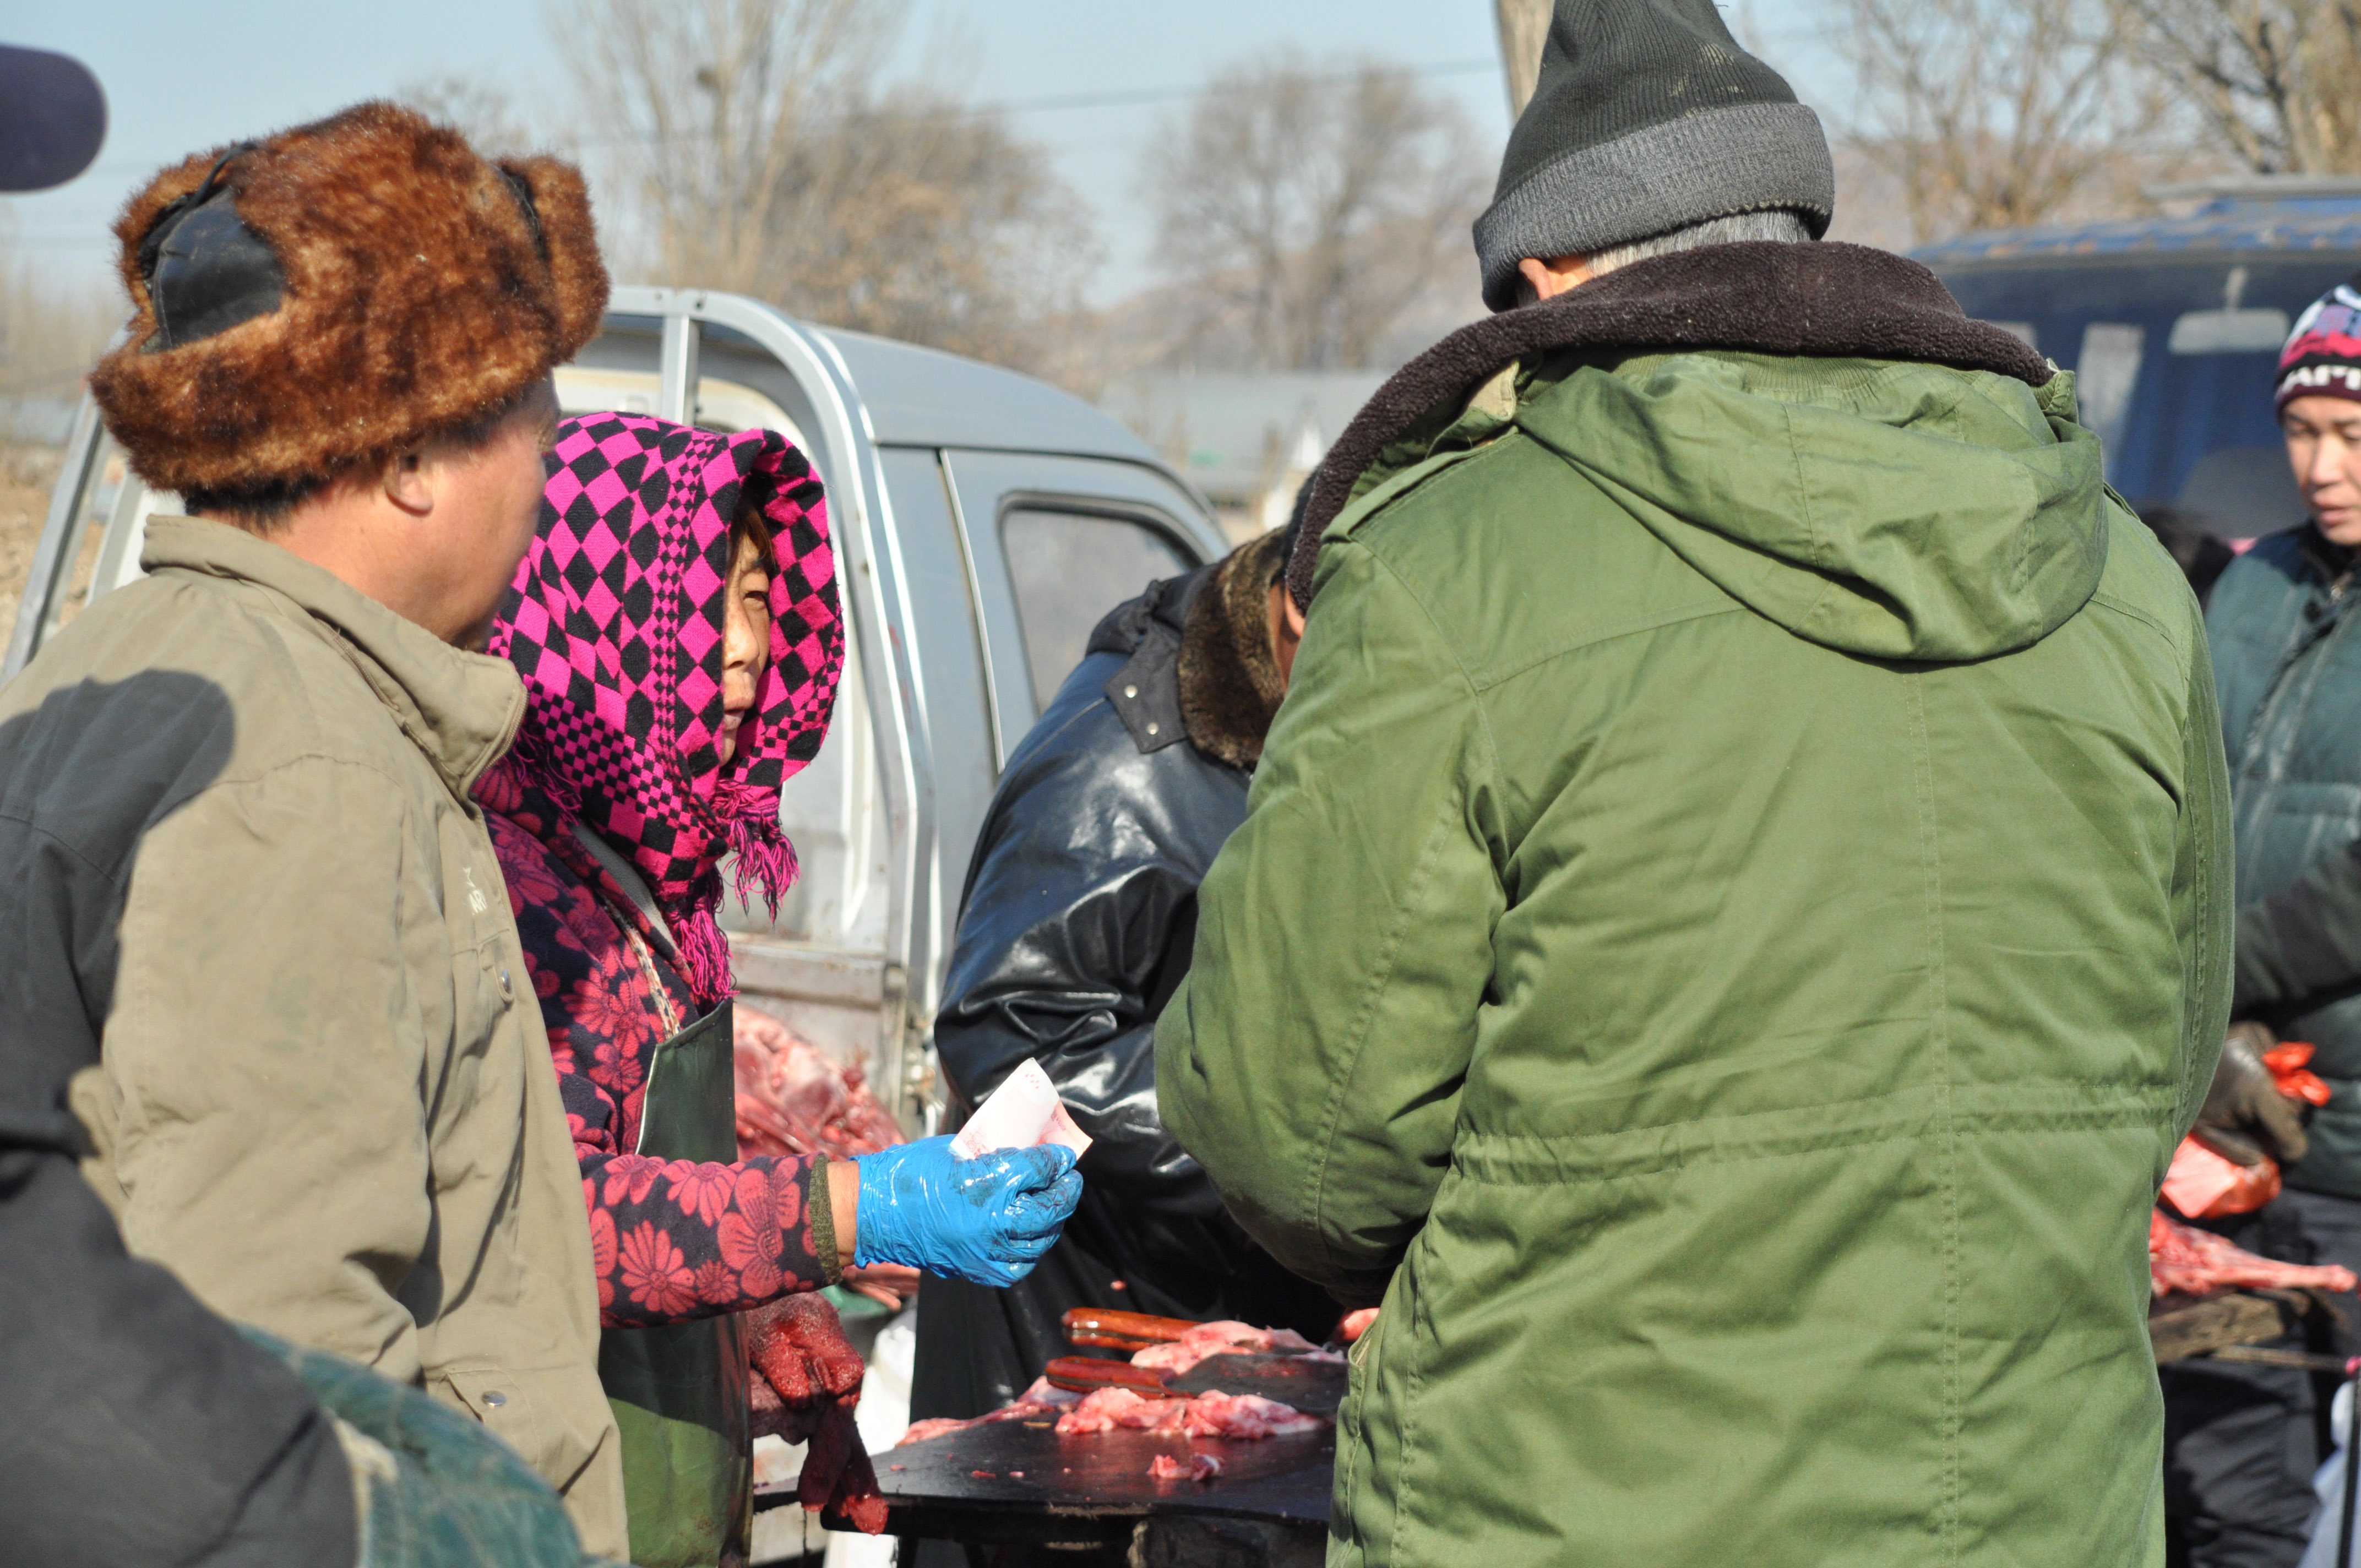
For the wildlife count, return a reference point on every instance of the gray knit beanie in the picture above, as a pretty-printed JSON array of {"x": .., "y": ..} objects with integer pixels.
[{"x": 1648, "y": 118}]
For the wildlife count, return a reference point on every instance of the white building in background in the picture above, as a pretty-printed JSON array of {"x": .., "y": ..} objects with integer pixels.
[{"x": 1246, "y": 441}]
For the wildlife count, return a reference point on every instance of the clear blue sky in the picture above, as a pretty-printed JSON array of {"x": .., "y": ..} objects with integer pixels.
[{"x": 181, "y": 76}]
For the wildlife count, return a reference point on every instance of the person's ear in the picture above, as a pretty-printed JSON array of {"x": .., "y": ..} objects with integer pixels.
[
  {"x": 1538, "y": 280},
  {"x": 407, "y": 484},
  {"x": 1294, "y": 614}
]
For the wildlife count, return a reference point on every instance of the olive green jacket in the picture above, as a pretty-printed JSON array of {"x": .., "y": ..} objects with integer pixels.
[
  {"x": 265, "y": 903},
  {"x": 1730, "y": 925}
]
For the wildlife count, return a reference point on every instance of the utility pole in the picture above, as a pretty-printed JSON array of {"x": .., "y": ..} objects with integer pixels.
[{"x": 1523, "y": 25}]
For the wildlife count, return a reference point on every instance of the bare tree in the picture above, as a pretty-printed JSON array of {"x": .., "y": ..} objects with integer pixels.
[
  {"x": 2278, "y": 82},
  {"x": 758, "y": 143},
  {"x": 1302, "y": 214},
  {"x": 1524, "y": 26},
  {"x": 482, "y": 113},
  {"x": 1995, "y": 114},
  {"x": 705, "y": 103},
  {"x": 917, "y": 218},
  {"x": 51, "y": 332}
]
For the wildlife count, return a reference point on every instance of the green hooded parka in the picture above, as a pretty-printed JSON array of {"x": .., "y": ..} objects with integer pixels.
[{"x": 1731, "y": 925}]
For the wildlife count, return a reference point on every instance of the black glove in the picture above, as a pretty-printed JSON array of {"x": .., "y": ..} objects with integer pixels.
[{"x": 2245, "y": 1116}]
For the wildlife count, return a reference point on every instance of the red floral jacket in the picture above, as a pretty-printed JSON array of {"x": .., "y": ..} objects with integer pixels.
[{"x": 672, "y": 1239}]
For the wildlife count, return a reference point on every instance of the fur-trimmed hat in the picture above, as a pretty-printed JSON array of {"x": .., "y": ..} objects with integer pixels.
[{"x": 370, "y": 282}]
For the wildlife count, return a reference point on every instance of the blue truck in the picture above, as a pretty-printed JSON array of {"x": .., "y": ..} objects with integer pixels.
[{"x": 2172, "y": 326}]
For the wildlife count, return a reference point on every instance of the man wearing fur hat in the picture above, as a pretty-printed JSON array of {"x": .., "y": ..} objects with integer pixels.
[
  {"x": 259, "y": 935},
  {"x": 1733, "y": 915}
]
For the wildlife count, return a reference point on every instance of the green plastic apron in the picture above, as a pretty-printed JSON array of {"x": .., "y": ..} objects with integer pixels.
[{"x": 679, "y": 1391}]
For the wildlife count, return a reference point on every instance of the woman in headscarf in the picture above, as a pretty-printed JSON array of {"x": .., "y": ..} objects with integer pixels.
[{"x": 677, "y": 629}]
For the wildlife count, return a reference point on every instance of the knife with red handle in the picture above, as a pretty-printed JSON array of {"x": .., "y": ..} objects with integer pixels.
[
  {"x": 1122, "y": 1331},
  {"x": 1086, "y": 1375}
]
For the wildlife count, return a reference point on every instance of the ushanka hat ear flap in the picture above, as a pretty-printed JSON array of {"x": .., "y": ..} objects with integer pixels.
[
  {"x": 559, "y": 203},
  {"x": 419, "y": 288}
]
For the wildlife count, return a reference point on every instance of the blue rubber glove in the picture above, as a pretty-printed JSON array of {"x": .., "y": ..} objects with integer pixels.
[{"x": 985, "y": 1221}]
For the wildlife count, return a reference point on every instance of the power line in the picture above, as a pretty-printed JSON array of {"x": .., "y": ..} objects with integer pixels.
[
  {"x": 1131, "y": 98},
  {"x": 1175, "y": 94}
]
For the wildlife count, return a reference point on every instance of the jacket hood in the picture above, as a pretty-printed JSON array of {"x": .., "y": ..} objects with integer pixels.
[
  {"x": 1893, "y": 510},
  {"x": 1821, "y": 301}
]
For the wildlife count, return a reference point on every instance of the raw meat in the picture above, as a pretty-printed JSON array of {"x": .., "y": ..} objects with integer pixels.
[
  {"x": 805, "y": 1386},
  {"x": 1226, "y": 1337},
  {"x": 837, "y": 1471},
  {"x": 1244, "y": 1418},
  {"x": 794, "y": 1099},
  {"x": 1198, "y": 1467},
  {"x": 936, "y": 1426},
  {"x": 1039, "y": 1400},
  {"x": 1112, "y": 1408},
  {"x": 1356, "y": 1324},
  {"x": 2182, "y": 1257}
]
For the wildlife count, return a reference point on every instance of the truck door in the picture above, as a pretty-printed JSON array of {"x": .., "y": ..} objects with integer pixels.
[{"x": 1055, "y": 543}]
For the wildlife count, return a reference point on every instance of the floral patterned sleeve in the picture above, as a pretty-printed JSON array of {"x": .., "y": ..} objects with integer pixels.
[{"x": 673, "y": 1240}]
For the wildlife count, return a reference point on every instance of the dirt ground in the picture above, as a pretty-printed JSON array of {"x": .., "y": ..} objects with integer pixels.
[{"x": 27, "y": 473}]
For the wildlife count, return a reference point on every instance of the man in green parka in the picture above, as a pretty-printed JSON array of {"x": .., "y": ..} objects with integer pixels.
[{"x": 1733, "y": 918}]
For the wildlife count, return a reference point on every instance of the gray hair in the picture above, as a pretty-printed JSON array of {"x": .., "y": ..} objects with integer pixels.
[{"x": 1781, "y": 223}]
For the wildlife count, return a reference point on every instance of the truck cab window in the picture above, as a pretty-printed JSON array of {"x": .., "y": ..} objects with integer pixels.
[{"x": 1068, "y": 568}]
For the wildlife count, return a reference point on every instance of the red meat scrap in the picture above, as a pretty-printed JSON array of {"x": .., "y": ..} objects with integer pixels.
[
  {"x": 1226, "y": 1337},
  {"x": 1039, "y": 1402},
  {"x": 1196, "y": 1467},
  {"x": 2193, "y": 1262},
  {"x": 1244, "y": 1418},
  {"x": 1107, "y": 1408}
]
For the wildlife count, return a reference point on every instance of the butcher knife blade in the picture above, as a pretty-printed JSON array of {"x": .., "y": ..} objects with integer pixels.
[{"x": 1314, "y": 1385}]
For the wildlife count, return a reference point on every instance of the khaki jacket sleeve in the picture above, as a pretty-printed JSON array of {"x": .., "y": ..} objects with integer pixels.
[
  {"x": 1314, "y": 1057},
  {"x": 266, "y": 1059}
]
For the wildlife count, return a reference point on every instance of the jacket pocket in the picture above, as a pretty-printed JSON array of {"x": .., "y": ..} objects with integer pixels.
[{"x": 534, "y": 1411}]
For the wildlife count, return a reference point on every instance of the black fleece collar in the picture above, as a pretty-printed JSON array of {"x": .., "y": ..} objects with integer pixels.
[
  {"x": 1200, "y": 667},
  {"x": 1821, "y": 298}
]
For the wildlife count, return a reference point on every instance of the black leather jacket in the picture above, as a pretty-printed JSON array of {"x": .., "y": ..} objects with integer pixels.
[{"x": 1076, "y": 925}]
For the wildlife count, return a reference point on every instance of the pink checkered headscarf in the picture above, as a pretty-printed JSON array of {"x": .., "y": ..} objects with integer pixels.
[{"x": 615, "y": 622}]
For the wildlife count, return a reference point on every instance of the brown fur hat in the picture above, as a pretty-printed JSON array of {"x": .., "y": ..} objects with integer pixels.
[{"x": 419, "y": 299}]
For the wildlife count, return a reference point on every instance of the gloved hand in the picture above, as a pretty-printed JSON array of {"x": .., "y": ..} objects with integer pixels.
[
  {"x": 985, "y": 1221},
  {"x": 805, "y": 1383},
  {"x": 2245, "y": 1116},
  {"x": 801, "y": 1363}
]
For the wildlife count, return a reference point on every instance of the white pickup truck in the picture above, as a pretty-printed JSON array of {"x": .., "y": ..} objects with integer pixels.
[{"x": 985, "y": 523}]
